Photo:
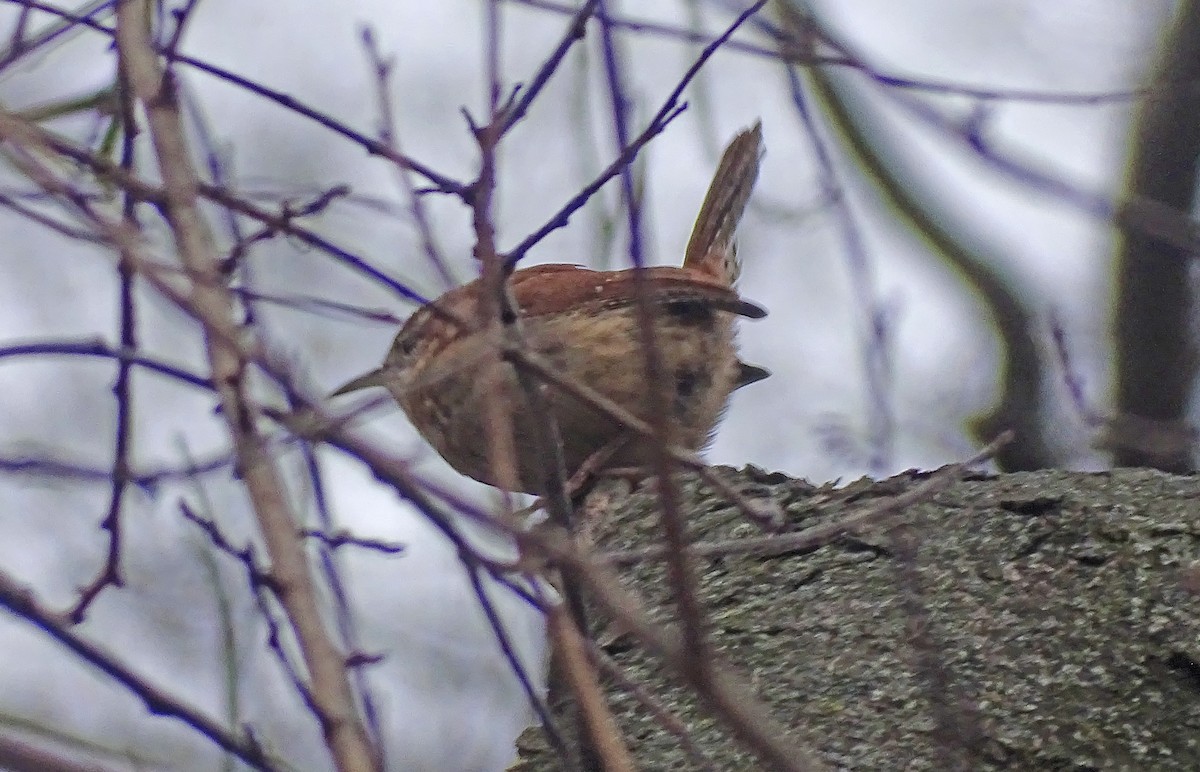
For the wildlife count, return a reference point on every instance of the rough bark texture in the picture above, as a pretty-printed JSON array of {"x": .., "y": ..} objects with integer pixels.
[{"x": 1065, "y": 608}]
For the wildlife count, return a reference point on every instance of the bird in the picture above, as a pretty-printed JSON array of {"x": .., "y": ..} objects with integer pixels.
[{"x": 584, "y": 324}]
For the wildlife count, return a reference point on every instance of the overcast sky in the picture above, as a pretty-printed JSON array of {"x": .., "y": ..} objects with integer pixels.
[{"x": 447, "y": 701}]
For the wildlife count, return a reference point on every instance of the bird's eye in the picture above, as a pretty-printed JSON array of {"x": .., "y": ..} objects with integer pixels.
[{"x": 406, "y": 344}]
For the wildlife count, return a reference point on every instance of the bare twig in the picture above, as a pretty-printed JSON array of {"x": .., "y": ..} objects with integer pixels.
[
  {"x": 17, "y": 130},
  {"x": 671, "y": 109},
  {"x": 496, "y": 309},
  {"x": 571, "y": 652},
  {"x": 336, "y": 539},
  {"x": 1140, "y": 213},
  {"x": 810, "y": 538},
  {"x": 22, "y": 45},
  {"x": 527, "y": 95},
  {"x": 390, "y": 135},
  {"x": 680, "y": 572},
  {"x": 724, "y": 693},
  {"x": 18, "y": 755},
  {"x": 22, "y": 602},
  {"x": 348, "y": 628},
  {"x": 805, "y": 56},
  {"x": 661, "y": 714},
  {"x": 58, "y": 226},
  {"x": 261, "y": 583},
  {"x": 441, "y": 183},
  {"x": 333, "y": 698},
  {"x": 110, "y": 573},
  {"x": 509, "y": 651},
  {"x": 98, "y": 348}
]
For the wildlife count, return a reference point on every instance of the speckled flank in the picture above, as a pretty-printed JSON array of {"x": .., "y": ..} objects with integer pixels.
[{"x": 447, "y": 405}]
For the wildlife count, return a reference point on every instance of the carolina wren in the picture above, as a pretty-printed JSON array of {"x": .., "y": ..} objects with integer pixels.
[{"x": 585, "y": 324}]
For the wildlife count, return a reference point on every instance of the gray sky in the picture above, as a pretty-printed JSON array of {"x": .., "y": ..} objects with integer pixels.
[{"x": 447, "y": 701}]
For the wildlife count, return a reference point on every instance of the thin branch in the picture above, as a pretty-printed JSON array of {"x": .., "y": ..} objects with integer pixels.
[
  {"x": 571, "y": 649},
  {"x": 21, "y": 45},
  {"x": 260, "y": 582},
  {"x": 680, "y": 571},
  {"x": 144, "y": 479},
  {"x": 723, "y": 692},
  {"x": 110, "y": 573},
  {"x": 639, "y": 26},
  {"x": 390, "y": 136},
  {"x": 1140, "y": 213},
  {"x": 98, "y": 348},
  {"x": 657, "y": 710},
  {"x": 509, "y": 652},
  {"x": 343, "y": 609},
  {"x": 671, "y": 109},
  {"x": 182, "y": 16},
  {"x": 62, "y": 228},
  {"x": 441, "y": 183},
  {"x": 341, "y": 538},
  {"x": 237, "y": 265},
  {"x": 495, "y": 308},
  {"x": 23, "y": 755},
  {"x": 803, "y": 56},
  {"x": 818, "y": 535},
  {"x": 23, "y": 603},
  {"x": 332, "y": 695},
  {"x": 572, "y": 35},
  {"x": 22, "y": 132}
]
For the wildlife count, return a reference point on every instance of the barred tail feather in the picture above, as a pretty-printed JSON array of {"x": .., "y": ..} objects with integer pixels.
[{"x": 711, "y": 249}]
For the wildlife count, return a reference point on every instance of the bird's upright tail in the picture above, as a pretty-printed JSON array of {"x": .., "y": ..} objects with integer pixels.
[{"x": 712, "y": 250}]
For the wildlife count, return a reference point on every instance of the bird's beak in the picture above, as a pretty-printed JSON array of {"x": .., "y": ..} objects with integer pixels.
[
  {"x": 373, "y": 378},
  {"x": 750, "y": 374}
]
